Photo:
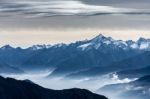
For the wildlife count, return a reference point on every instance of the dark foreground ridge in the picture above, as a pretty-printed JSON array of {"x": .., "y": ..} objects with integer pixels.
[{"x": 15, "y": 89}]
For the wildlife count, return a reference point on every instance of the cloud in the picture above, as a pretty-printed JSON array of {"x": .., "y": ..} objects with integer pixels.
[{"x": 60, "y": 7}]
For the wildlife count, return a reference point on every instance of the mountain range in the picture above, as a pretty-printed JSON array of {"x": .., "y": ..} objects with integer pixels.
[
  {"x": 130, "y": 66},
  {"x": 100, "y": 53},
  {"x": 82, "y": 59}
]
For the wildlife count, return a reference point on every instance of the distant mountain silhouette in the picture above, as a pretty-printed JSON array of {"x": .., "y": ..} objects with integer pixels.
[
  {"x": 134, "y": 73},
  {"x": 15, "y": 89},
  {"x": 7, "y": 69},
  {"x": 138, "y": 61},
  {"x": 15, "y": 56}
]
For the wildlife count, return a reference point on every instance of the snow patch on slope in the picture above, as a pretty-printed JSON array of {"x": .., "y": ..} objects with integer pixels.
[
  {"x": 84, "y": 46},
  {"x": 144, "y": 46}
]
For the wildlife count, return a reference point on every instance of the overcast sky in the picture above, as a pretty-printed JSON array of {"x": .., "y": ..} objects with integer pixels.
[{"x": 27, "y": 22}]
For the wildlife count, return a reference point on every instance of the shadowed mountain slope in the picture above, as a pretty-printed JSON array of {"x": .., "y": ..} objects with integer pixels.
[
  {"x": 7, "y": 69},
  {"x": 134, "y": 73},
  {"x": 15, "y": 89},
  {"x": 138, "y": 61}
]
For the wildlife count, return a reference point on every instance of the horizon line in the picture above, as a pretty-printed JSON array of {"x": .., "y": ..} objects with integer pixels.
[{"x": 55, "y": 44}]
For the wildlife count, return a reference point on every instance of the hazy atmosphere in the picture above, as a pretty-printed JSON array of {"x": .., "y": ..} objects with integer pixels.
[
  {"x": 27, "y": 22},
  {"x": 74, "y": 49}
]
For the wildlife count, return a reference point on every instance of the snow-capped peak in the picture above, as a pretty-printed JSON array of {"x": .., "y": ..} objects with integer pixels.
[
  {"x": 59, "y": 45},
  {"x": 101, "y": 38},
  {"x": 143, "y": 43},
  {"x": 6, "y": 47},
  {"x": 141, "y": 39},
  {"x": 38, "y": 47},
  {"x": 98, "y": 41}
]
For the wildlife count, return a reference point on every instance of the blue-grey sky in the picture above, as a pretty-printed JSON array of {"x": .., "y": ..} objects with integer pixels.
[{"x": 27, "y": 22}]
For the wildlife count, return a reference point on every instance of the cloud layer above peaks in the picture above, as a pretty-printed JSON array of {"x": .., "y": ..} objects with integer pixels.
[{"x": 31, "y": 8}]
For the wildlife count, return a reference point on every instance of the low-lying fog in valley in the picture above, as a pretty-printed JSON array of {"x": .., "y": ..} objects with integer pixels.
[{"x": 93, "y": 84}]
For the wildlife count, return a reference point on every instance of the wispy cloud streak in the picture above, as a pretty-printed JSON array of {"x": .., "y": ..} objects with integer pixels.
[{"x": 59, "y": 7}]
